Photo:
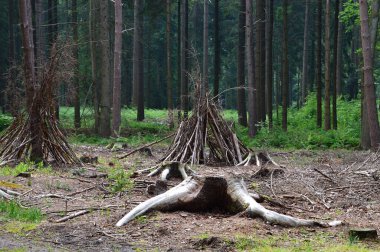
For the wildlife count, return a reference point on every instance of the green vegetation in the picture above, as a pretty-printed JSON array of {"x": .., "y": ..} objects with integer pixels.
[
  {"x": 25, "y": 167},
  {"x": 5, "y": 121},
  {"x": 13, "y": 211},
  {"x": 120, "y": 179},
  {"x": 316, "y": 242},
  {"x": 302, "y": 130}
]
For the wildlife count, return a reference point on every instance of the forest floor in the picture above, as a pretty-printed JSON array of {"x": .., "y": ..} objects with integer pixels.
[{"x": 324, "y": 185}]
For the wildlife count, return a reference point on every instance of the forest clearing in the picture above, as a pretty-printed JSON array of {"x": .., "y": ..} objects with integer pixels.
[{"x": 247, "y": 125}]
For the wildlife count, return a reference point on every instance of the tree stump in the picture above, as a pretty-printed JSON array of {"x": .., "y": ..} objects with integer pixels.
[{"x": 198, "y": 193}]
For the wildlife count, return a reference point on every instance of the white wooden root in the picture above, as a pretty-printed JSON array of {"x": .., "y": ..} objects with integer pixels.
[
  {"x": 5, "y": 195},
  {"x": 186, "y": 195}
]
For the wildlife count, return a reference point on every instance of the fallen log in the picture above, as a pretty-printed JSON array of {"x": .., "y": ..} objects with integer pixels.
[{"x": 197, "y": 193}]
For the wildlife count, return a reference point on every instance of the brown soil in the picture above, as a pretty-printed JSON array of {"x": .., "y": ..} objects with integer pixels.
[{"x": 320, "y": 185}]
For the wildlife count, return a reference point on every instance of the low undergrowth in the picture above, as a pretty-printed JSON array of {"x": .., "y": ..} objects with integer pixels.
[
  {"x": 25, "y": 167},
  {"x": 11, "y": 210}
]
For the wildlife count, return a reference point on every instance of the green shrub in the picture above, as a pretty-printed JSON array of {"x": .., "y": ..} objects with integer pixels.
[{"x": 5, "y": 121}]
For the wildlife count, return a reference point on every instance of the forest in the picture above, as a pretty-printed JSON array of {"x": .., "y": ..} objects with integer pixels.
[{"x": 245, "y": 125}]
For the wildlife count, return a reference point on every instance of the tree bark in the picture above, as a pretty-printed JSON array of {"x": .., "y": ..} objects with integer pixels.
[
  {"x": 339, "y": 64},
  {"x": 179, "y": 60},
  {"x": 138, "y": 63},
  {"x": 305, "y": 58},
  {"x": 39, "y": 31},
  {"x": 105, "y": 87},
  {"x": 327, "y": 125},
  {"x": 94, "y": 35},
  {"x": 335, "y": 65},
  {"x": 269, "y": 61},
  {"x": 242, "y": 111},
  {"x": 252, "y": 109},
  {"x": 285, "y": 67},
  {"x": 74, "y": 8},
  {"x": 169, "y": 78},
  {"x": 31, "y": 83},
  {"x": 116, "y": 103},
  {"x": 319, "y": 65},
  {"x": 369, "y": 87},
  {"x": 184, "y": 57},
  {"x": 217, "y": 49},
  {"x": 205, "y": 46},
  {"x": 260, "y": 59}
]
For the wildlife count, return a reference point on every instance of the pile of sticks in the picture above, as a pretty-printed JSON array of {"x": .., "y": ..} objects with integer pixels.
[
  {"x": 39, "y": 123},
  {"x": 206, "y": 138}
]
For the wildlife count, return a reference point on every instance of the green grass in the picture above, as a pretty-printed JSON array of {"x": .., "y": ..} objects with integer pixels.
[
  {"x": 11, "y": 210},
  {"x": 308, "y": 243},
  {"x": 24, "y": 167}
]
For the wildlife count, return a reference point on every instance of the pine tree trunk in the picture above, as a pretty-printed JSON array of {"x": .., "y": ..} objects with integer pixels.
[
  {"x": 319, "y": 65},
  {"x": 269, "y": 61},
  {"x": 10, "y": 100},
  {"x": 94, "y": 37},
  {"x": 31, "y": 83},
  {"x": 305, "y": 58},
  {"x": 169, "y": 78},
  {"x": 116, "y": 103},
  {"x": 339, "y": 64},
  {"x": 205, "y": 46},
  {"x": 252, "y": 109},
  {"x": 335, "y": 65},
  {"x": 138, "y": 60},
  {"x": 184, "y": 57},
  {"x": 369, "y": 87},
  {"x": 105, "y": 87},
  {"x": 327, "y": 125},
  {"x": 260, "y": 59},
  {"x": 74, "y": 9},
  {"x": 179, "y": 60},
  {"x": 216, "y": 49},
  {"x": 285, "y": 67},
  {"x": 242, "y": 111},
  {"x": 39, "y": 32}
]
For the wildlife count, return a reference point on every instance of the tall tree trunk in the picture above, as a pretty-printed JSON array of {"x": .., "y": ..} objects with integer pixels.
[
  {"x": 179, "y": 60},
  {"x": 216, "y": 49},
  {"x": 260, "y": 59},
  {"x": 335, "y": 64},
  {"x": 39, "y": 31},
  {"x": 327, "y": 67},
  {"x": 138, "y": 60},
  {"x": 10, "y": 100},
  {"x": 205, "y": 46},
  {"x": 285, "y": 67},
  {"x": 305, "y": 58},
  {"x": 318, "y": 78},
  {"x": 184, "y": 57},
  {"x": 116, "y": 102},
  {"x": 252, "y": 109},
  {"x": 242, "y": 111},
  {"x": 269, "y": 61},
  {"x": 105, "y": 88},
  {"x": 31, "y": 83},
  {"x": 94, "y": 37},
  {"x": 74, "y": 21},
  {"x": 339, "y": 64},
  {"x": 369, "y": 87},
  {"x": 169, "y": 78}
]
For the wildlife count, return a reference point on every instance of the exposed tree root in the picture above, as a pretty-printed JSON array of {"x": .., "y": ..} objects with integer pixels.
[
  {"x": 197, "y": 193},
  {"x": 170, "y": 169}
]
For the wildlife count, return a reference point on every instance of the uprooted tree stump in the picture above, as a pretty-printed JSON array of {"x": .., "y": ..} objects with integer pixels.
[{"x": 198, "y": 193}]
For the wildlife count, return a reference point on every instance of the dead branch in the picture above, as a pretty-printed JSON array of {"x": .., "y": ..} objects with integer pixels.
[{"x": 145, "y": 146}]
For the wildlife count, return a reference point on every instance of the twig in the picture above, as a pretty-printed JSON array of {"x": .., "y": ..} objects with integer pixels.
[
  {"x": 72, "y": 216},
  {"x": 324, "y": 175},
  {"x": 145, "y": 146},
  {"x": 81, "y": 191}
]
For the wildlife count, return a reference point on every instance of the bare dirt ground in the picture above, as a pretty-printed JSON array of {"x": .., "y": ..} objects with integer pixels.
[{"x": 327, "y": 185}]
